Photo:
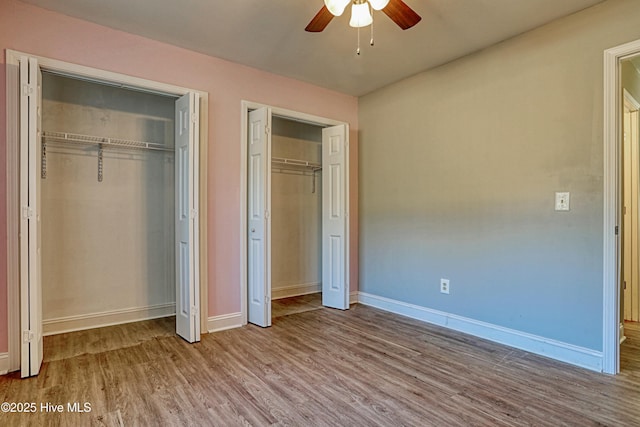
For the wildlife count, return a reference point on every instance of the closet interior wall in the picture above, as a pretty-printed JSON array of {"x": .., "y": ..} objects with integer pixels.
[
  {"x": 296, "y": 206},
  {"x": 107, "y": 247}
]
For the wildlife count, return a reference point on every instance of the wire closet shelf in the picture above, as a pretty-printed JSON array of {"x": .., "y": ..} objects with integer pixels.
[
  {"x": 294, "y": 164},
  {"x": 100, "y": 141}
]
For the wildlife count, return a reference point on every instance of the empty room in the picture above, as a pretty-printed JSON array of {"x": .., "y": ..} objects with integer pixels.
[{"x": 320, "y": 213}]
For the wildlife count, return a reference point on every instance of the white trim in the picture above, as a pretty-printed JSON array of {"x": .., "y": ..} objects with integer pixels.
[
  {"x": 353, "y": 297},
  {"x": 244, "y": 112},
  {"x": 611, "y": 260},
  {"x": 203, "y": 209},
  {"x": 4, "y": 363},
  {"x": 296, "y": 290},
  {"x": 569, "y": 353},
  {"x": 82, "y": 322},
  {"x": 245, "y": 107},
  {"x": 621, "y": 334},
  {"x": 92, "y": 74},
  {"x": 226, "y": 321},
  {"x": 106, "y": 77},
  {"x": 283, "y": 113}
]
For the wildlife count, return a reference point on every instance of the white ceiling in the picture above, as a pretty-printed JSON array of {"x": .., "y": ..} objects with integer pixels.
[{"x": 270, "y": 35}]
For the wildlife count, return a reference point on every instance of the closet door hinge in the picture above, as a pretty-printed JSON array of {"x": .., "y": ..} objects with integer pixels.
[
  {"x": 193, "y": 213},
  {"x": 266, "y": 214},
  {"x": 28, "y": 336},
  {"x": 27, "y": 89},
  {"x": 27, "y": 212},
  {"x": 194, "y": 118},
  {"x": 194, "y": 311},
  {"x": 267, "y": 130}
]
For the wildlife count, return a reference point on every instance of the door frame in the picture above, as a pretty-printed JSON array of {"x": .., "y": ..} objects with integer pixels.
[
  {"x": 245, "y": 107},
  {"x": 13, "y": 182},
  {"x": 612, "y": 219}
]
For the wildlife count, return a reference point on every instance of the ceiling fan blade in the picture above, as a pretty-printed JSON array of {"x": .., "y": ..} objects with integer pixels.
[
  {"x": 320, "y": 21},
  {"x": 401, "y": 14}
]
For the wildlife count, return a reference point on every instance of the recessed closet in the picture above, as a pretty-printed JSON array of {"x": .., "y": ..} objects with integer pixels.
[
  {"x": 108, "y": 204},
  {"x": 296, "y": 206},
  {"x": 105, "y": 180},
  {"x": 297, "y": 210}
]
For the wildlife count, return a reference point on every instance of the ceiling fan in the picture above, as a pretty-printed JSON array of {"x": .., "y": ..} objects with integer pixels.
[{"x": 397, "y": 10}]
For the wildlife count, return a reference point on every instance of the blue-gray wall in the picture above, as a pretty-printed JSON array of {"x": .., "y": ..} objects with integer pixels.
[{"x": 458, "y": 169}]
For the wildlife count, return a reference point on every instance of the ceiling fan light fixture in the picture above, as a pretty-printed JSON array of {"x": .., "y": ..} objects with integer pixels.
[
  {"x": 378, "y": 4},
  {"x": 360, "y": 15},
  {"x": 336, "y": 7}
]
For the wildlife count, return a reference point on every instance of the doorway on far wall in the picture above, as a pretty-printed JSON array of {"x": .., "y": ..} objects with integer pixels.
[
  {"x": 630, "y": 305},
  {"x": 629, "y": 122},
  {"x": 621, "y": 72}
]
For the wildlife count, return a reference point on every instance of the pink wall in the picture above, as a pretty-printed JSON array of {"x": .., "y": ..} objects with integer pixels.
[{"x": 40, "y": 32}]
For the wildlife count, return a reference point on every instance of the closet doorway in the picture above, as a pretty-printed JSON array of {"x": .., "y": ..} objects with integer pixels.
[
  {"x": 108, "y": 195},
  {"x": 296, "y": 213},
  {"x": 630, "y": 260}
]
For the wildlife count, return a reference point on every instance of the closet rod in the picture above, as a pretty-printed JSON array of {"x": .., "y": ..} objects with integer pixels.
[
  {"x": 99, "y": 140},
  {"x": 298, "y": 166},
  {"x": 295, "y": 164}
]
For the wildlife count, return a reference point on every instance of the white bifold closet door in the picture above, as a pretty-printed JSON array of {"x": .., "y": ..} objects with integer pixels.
[
  {"x": 335, "y": 211},
  {"x": 335, "y": 226},
  {"x": 186, "y": 174},
  {"x": 259, "y": 221},
  {"x": 30, "y": 243}
]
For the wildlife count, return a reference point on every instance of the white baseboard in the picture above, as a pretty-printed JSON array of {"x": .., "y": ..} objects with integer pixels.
[
  {"x": 353, "y": 297},
  {"x": 106, "y": 318},
  {"x": 224, "y": 322},
  {"x": 4, "y": 363},
  {"x": 295, "y": 290},
  {"x": 622, "y": 337},
  {"x": 569, "y": 353}
]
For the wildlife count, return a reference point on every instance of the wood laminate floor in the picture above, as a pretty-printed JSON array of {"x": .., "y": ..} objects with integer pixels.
[
  {"x": 293, "y": 305},
  {"x": 630, "y": 350},
  {"x": 361, "y": 367}
]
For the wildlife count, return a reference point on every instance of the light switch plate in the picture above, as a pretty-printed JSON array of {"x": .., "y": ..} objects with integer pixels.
[{"x": 562, "y": 201}]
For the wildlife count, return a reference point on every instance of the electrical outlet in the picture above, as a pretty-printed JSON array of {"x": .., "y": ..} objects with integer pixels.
[{"x": 444, "y": 286}]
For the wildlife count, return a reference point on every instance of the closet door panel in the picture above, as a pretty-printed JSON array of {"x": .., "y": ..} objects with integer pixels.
[
  {"x": 30, "y": 230},
  {"x": 186, "y": 173},
  {"x": 259, "y": 223},
  {"x": 36, "y": 176},
  {"x": 335, "y": 284}
]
